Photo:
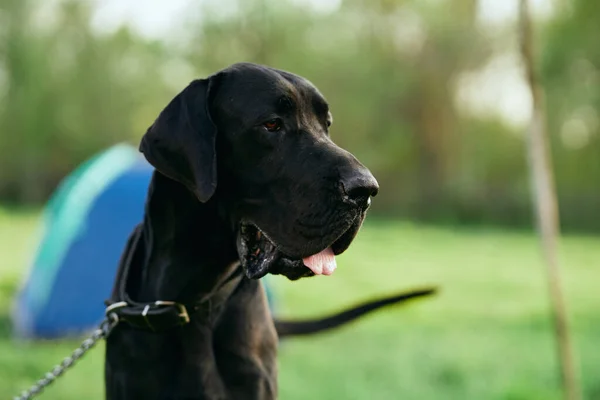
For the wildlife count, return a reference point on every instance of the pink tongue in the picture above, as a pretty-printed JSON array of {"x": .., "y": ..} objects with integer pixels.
[{"x": 321, "y": 263}]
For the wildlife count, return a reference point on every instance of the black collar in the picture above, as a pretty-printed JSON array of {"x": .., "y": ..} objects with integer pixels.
[{"x": 161, "y": 315}]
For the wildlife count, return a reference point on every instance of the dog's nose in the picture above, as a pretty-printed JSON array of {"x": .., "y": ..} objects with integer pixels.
[{"x": 359, "y": 187}]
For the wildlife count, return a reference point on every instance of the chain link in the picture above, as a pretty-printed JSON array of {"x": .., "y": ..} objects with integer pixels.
[{"x": 103, "y": 330}]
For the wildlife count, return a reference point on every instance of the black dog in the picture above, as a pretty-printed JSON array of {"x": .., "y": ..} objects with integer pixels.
[{"x": 247, "y": 182}]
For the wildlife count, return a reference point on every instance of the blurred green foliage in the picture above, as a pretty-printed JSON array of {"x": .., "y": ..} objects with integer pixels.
[{"x": 389, "y": 68}]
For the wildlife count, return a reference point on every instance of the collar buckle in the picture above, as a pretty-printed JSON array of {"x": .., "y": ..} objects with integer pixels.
[{"x": 183, "y": 313}]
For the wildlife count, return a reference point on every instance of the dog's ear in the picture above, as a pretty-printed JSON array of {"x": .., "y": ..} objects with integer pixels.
[{"x": 181, "y": 142}]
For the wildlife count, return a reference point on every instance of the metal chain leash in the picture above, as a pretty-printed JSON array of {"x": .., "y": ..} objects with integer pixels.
[{"x": 103, "y": 330}]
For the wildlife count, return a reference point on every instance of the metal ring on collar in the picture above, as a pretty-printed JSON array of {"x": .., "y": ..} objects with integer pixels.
[{"x": 114, "y": 306}]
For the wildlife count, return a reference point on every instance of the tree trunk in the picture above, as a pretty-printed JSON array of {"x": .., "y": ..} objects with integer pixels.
[{"x": 546, "y": 207}]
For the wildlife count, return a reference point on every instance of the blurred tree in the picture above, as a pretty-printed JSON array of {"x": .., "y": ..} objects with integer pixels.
[
  {"x": 67, "y": 93},
  {"x": 570, "y": 69},
  {"x": 390, "y": 69}
]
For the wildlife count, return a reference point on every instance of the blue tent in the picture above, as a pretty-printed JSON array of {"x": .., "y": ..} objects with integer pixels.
[
  {"x": 85, "y": 226},
  {"x": 84, "y": 229}
]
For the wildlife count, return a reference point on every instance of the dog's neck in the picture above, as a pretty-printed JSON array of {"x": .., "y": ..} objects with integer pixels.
[{"x": 188, "y": 245}]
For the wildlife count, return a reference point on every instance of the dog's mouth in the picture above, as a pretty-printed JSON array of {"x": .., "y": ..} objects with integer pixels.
[{"x": 259, "y": 254}]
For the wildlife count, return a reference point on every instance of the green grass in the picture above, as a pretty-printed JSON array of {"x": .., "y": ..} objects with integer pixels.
[{"x": 487, "y": 334}]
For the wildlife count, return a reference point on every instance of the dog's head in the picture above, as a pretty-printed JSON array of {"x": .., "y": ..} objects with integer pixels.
[{"x": 257, "y": 139}]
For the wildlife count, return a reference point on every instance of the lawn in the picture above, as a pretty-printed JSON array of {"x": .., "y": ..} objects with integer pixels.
[{"x": 486, "y": 335}]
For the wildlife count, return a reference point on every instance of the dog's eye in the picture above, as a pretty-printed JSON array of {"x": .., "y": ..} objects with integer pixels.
[
  {"x": 273, "y": 125},
  {"x": 328, "y": 123}
]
